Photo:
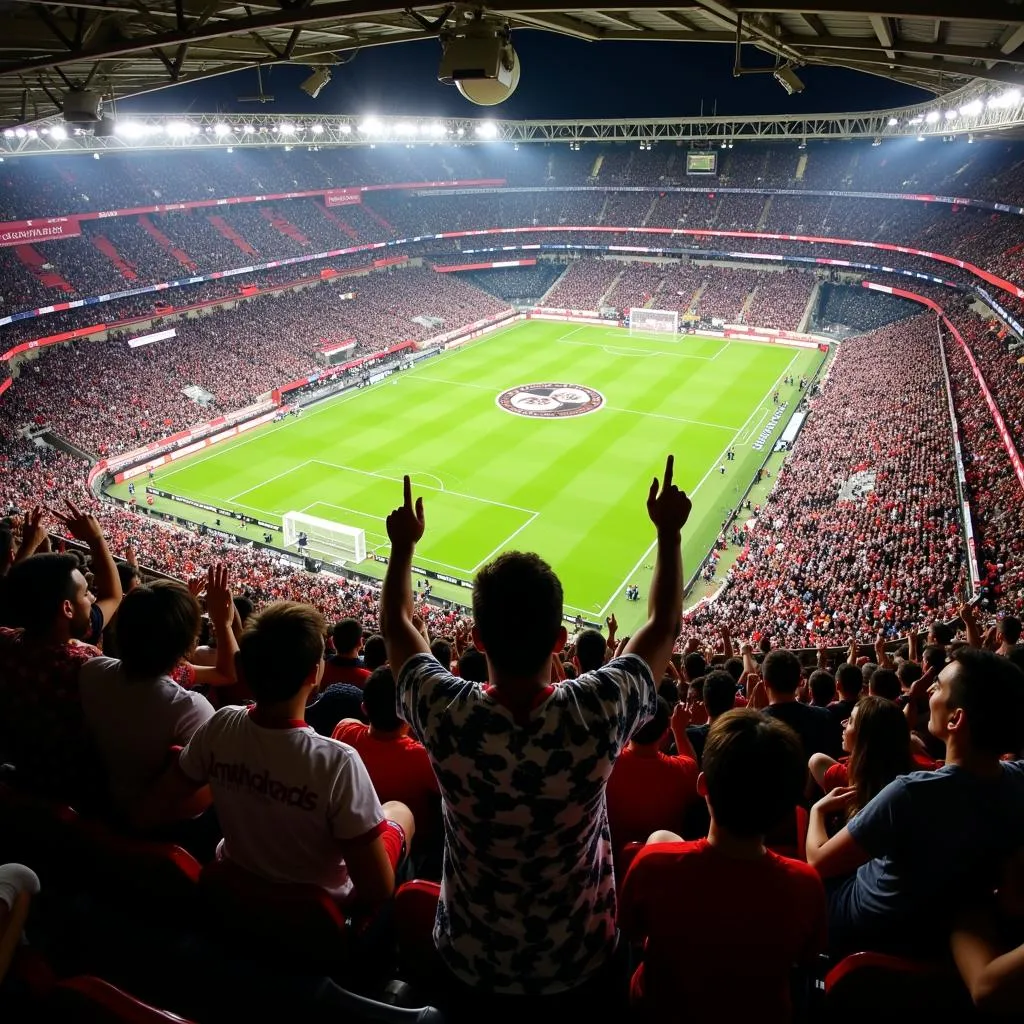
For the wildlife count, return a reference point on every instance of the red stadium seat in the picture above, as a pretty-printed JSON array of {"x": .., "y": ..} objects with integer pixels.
[
  {"x": 302, "y": 922},
  {"x": 415, "y": 910},
  {"x": 624, "y": 856},
  {"x": 865, "y": 983},
  {"x": 88, "y": 1000}
]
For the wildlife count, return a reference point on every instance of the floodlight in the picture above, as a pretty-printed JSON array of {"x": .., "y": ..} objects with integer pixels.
[
  {"x": 371, "y": 126},
  {"x": 220, "y": 130},
  {"x": 787, "y": 78},
  {"x": 318, "y": 129},
  {"x": 58, "y": 133},
  {"x": 286, "y": 129},
  {"x": 951, "y": 115},
  {"x": 487, "y": 130},
  {"x": 313, "y": 85},
  {"x": 932, "y": 116},
  {"x": 892, "y": 122},
  {"x": 971, "y": 109},
  {"x": 248, "y": 129},
  {"x": 178, "y": 129},
  {"x": 345, "y": 129}
]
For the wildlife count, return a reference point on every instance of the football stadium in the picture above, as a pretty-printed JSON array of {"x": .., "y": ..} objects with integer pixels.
[{"x": 511, "y": 512}]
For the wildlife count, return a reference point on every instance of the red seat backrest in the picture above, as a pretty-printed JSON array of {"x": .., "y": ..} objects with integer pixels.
[{"x": 88, "y": 1000}]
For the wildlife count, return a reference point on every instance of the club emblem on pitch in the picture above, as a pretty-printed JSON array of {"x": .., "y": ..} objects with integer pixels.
[{"x": 550, "y": 401}]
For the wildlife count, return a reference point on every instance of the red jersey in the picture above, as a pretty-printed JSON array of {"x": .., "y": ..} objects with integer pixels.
[
  {"x": 838, "y": 774},
  {"x": 42, "y": 729},
  {"x": 647, "y": 791},
  {"x": 704, "y": 916},
  {"x": 399, "y": 769},
  {"x": 344, "y": 670}
]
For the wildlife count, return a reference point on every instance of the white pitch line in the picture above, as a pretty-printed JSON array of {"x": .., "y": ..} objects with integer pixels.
[
  {"x": 426, "y": 487},
  {"x": 457, "y": 384},
  {"x": 674, "y": 419},
  {"x": 714, "y": 465},
  {"x": 503, "y": 544},
  {"x": 270, "y": 480}
]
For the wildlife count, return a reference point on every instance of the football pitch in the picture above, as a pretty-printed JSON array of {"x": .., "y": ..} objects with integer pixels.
[{"x": 561, "y": 468}]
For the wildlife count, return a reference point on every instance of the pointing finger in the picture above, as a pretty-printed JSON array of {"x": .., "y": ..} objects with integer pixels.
[
  {"x": 407, "y": 484},
  {"x": 419, "y": 509},
  {"x": 652, "y": 494},
  {"x": 669, "y": 466}
]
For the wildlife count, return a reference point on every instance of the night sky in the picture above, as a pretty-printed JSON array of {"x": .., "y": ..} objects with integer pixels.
[{"x": 561, "y": 78}]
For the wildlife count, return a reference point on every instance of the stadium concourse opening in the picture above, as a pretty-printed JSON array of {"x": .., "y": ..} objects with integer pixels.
[{"x": 486, "y": 475}]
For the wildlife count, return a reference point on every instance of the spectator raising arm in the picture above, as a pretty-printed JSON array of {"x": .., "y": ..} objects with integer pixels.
[
  {"x": 669, "y": 511},
  {"x": 221, "y": 610},
  {"x": 974, "y": 637},
  {"x": 106, "y": 584},
  {"x": 405, "y": 527}
]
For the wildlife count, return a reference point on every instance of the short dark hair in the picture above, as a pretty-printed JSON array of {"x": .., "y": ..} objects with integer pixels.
[
  {"x": 764, "y": 645},
  {"x": 379, "y": 696},
  {"x": 155, "y": 627},
  {"x": 849, "y": 681},
  {"x": 517, "y": 608},
  {"x": 346, "y": 634},
  {"x": 590, "y": 648},
  {"x": 990, "y": 690},
  {"x": 781, "y": 671},
  {"x": 279, "y": 648},
  {"x": 570, "y": 670},
  {"x": 442, "y": 651},
  {"x": 908, "y": 673},
  {"x": 36, "y": 588},
  {"x": 734, "y": 666},
  {"x": 934, "y": 657},
  {"x": 867, "y": 670},
  {"x": 942, "y": 632},
  {"x": 754, "y": 769},
  {"x": 885, "y": 683},
  {"x": 375, "y": 653},
  {"x": 822, "y": 685},
  {"x": 473, "y": 665},
  {"x": 719, "y": 692},
  {"x": 653, "y": 729},
  {"x": 128, "y": 575},
  {"x": 244, "y": 607},
  {"x": 1009, "y": 626},
  {"x": 694, "y": 665}
]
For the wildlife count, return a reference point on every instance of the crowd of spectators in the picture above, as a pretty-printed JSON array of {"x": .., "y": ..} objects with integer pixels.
[
  {"x": 107, "y": 397},
  {"x": 851, "y": 307},
  {"x": 780, "y": 300},
  {"x": 860, "y": 534}
]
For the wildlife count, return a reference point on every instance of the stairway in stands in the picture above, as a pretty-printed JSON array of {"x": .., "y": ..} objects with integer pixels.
[
  {"x": 107, "y": 247},
  {"x": 38, "y": 267},
  {"x": 374, "y": 215},
  {"x": 166, "y": 244},
  {"x": 232, "y": 235},
  {"x": 342, "y": 225},
  {"x": 285, "y": 227}
]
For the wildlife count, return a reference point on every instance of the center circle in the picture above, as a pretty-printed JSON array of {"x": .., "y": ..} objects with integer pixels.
[{"x": 550, "y": 401}]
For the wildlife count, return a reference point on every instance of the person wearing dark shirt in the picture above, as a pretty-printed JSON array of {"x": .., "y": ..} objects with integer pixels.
[
  {"x": 818, "y": 731},
  {"x": 719, "y": 697},
  {"x": 849, "y": 686},
  {"x": 346, "y": 666}
]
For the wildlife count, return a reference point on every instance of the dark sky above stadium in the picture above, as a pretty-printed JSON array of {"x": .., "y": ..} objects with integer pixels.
[{"x": 561, "y": 78}]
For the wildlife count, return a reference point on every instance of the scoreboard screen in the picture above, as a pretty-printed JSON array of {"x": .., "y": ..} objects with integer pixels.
[{"x": 701, "y": 162}]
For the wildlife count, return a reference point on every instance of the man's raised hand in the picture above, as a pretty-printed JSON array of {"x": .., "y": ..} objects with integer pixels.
[
  {"x": 219, "y": 605},
  {"x": 670, "y": 508},
  {"x": 405, "y": 525},
  {"x": 81, "y": 525}
]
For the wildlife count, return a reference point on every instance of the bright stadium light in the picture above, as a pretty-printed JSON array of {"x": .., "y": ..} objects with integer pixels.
[
  {"x": 405, "y": 128},
  {"x": 178, "y": 129},
  {"x": 487, "y": 130},
  {"x": 436, "y": 130},
  {"x": 371, "y": 126},
  {"x": 220, "y": 130},
  {"x": 972, "y": 109},
  {"x": 345, "y": 129},
  {"x": 318, "y": 129},
  {"x": 932, "y": 116},
  {"x": 58, "y": 132},
  {"x": 892, "y": 122},
  {"x": 1006, "y": 99},
  {"x": 951, "y": 115},
  {"x": 286, "y": 129},
  {"x": 20, "y": 132},
  {"x": 248, "y": 129}
]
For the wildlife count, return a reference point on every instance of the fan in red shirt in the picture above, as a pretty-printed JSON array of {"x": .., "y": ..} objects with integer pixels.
[
  {"x": 346, "y": 666},
  {"x": 397, "y": 764},
  {"x": 703, "y": 907},
  {"x": 649, "y": 790}
]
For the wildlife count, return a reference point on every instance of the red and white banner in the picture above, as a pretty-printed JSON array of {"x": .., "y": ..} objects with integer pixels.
[
  {"x": 455, "y": 267},
  {"x": 343, "y": 197},
  {"x": 46, "y": 229}
]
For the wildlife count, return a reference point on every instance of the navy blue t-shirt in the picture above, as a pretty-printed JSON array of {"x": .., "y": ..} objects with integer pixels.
[{"x": 936, "y": 839}]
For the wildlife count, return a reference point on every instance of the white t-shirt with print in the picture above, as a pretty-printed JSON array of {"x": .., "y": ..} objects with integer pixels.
[
  {"x": 527, "y": 895},
  {"x": 133, "y": 722},
  {"x": 286, "y": 797}
]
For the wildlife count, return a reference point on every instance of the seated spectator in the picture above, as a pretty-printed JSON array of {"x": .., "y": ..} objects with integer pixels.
[
  {"x": 885, "y": 683},
  {"x": 822, "y": 686},
  {"x": 702, "y": 907},
  {"x": 931, "y": 842},
  {"x": 346, "y": 666},
  {"x": 815, "y": 726},
  {"x": 876, "y": 739},
  {"x": 849, "y": 684},
  {"x": 648, "y": 789},
  {"x": 133, "y": 709},
  {"x": 527, "y": 901},
  {"x": 42, "y": 731},
  {"x": 294, "y": 806},
  {"x": 397, "y": 764},
  {"x": 719, "y": 697},
  {"x": 18, "y": 884}
]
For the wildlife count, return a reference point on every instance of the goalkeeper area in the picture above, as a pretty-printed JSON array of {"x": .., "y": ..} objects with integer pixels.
[{"x": 543, "y": 436}]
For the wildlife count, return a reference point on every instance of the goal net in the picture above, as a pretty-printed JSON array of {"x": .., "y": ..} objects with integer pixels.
[
  {"x": 653, "y": 321},
  {"x": 325, "y": 538}
]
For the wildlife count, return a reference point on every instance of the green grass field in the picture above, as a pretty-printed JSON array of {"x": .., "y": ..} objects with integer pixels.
[{"x": 572, "y": 489}]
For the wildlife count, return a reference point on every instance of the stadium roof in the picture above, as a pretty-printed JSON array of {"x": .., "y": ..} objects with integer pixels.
[{"x": 121, "y": 48}]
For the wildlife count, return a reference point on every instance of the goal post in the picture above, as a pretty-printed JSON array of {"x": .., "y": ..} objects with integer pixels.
[
  {"x": 653, "y": 321},
  {"x": 330, "y": 540}
]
